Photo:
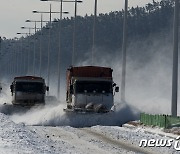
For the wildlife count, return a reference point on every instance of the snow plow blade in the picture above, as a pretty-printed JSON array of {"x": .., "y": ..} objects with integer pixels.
[{"x": 84, "y": 111}]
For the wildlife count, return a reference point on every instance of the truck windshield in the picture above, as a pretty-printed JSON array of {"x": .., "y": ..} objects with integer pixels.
[
  {"x": 34, "y": 87},
  {"x": 93, "y": 86}
]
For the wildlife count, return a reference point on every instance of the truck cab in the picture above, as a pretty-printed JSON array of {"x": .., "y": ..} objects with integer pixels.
[
  {"x": 28, "y": 90},
  {"x": 90, "y": 89}
]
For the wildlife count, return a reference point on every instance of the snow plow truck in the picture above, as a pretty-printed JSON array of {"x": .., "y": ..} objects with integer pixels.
[
  {"x": 90, "y": 89},
  {"x": 28, "y": 91}
]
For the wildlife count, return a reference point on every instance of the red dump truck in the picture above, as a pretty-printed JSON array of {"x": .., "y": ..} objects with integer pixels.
[
  {"x": 90, "y": 89},
  {"x": 28, "y": 90}
]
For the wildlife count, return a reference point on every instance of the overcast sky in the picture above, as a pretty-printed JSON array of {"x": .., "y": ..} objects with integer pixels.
[{"x": 13, "y": 13}]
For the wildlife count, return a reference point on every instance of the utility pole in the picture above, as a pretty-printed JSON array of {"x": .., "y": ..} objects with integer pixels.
[
  {"x": 28, "y": 52},
  {"x": 0, "y": 50},
  {"x": 49, "y": 45},
  {"x": 74, "y": 32},
  {"x": 175, "y": 61},
  {"x": 59, "y": 53},
  {"x": 40, "y": 51},
  {"x": 124, "y": 46},
  {"x": 94, "y": 32},
  {"x": 0, "y": 42},
  {"x": 34, "y": 54}
]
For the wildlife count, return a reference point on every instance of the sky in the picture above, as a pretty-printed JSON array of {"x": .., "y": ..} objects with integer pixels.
[{"x": 14, "y": 13}]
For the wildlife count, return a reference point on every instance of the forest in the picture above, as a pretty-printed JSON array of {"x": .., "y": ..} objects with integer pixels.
[{"x": 144, "y": 23}]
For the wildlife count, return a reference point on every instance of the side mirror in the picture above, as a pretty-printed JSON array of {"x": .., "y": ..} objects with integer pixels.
[
  {"x": 71, "y": 89},
  {"x": 47, "y": 88},
  {"x": 11, "y": 87},
  {"x": 114, "y": 84},
  {"x": 116, "y": 89}
]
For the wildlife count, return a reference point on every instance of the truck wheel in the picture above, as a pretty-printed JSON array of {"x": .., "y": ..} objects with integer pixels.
[
  {"x": 99, "y": 108},
  {"x": 69, "y": 106}
]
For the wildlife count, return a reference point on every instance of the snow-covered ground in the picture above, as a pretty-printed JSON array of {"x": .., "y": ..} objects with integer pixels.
[
  {"x": 25, "y": 135},
  {"x": 49, "y": 130}
]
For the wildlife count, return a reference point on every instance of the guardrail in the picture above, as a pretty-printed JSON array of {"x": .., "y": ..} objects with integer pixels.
[{"x": 163, "y": 121}]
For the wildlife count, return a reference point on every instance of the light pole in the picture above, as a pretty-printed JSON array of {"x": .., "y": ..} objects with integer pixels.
[
  {"x": 17, "y": 48},
  {"x": 124, "y": 45},
  {"x": 50, "y": 12},
  {"x": 0, "y": 42},
  {"x": 0, "y": 54},
  {"x": 16, "y": 53},
  {"x": 74, "y": 31},
  {"x": 74, "y": 28},
  {"x": 40, "y": 53},
  {"x": 29, "y": 49},
  {"x": 21, "y": 49},
  {"x": 35, "y": 28},
  {"x": 25, "y": 60},
  {"x": 35, "y": 39},
  {"x": 94, "y": 32},
  {"x": 34, "y": 54},
  {"x": 59, "y": 53},
  {"x": 12, "y": 50},
  {"x": 175, "y": 61},
  {"x": 40, "y": 48},
  {"x": 14, "y": 58}
]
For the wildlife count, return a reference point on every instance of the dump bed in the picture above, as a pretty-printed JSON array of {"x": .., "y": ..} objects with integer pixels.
[
  {"x": 29, "y": 78},
  {"x": 89, "y": 71}
]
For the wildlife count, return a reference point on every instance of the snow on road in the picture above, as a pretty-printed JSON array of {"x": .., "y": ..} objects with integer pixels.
[
  {"x": 21, "y": 138},
  {"x": 87, "y": 141},
  {"x": 134, "y": 136},
  {"x": 17, "y": 138},
  {"x": 48, "y": 130},
  {"x": 53, "y": 115}
]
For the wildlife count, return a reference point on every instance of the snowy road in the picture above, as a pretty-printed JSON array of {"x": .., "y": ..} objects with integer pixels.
[
  {"x": 117, "y": 144},
  {"x": 18, "y": 138},
  {"x": 49, "y": 130},
  {"x": 86, "y": 140}
]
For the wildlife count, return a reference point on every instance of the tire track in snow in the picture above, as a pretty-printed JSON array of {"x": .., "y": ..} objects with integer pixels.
[
  {"x": 117, "y": 143},
  {"x": 59, "y": 134}
]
